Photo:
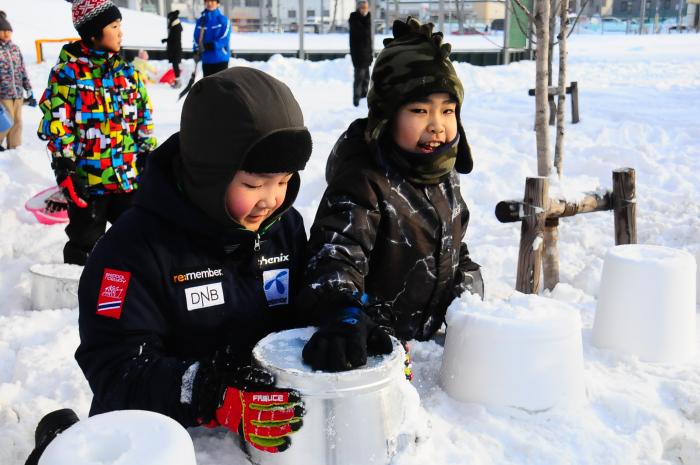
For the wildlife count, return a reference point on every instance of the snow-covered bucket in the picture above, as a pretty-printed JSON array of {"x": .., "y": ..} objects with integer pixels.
[
  {"x": 55, "y": 285},
  {"x": 646, "y": 303},
  {"x": 525, "y": 352},
  {"x": 125, "y": 437},
  {"x": 352, "y": 417}
]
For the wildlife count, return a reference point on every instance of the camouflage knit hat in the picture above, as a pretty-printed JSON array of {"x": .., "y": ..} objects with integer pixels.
[
  {"x": 91, "y": 16},
  {"x": 413, "y": 64}
]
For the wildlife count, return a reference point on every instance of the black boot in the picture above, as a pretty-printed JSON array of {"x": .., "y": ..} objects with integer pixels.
[{"x": 48, "y": 428}]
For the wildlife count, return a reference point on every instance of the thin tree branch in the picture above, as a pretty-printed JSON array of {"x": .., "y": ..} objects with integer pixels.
[{"x": 524, "y": 9}]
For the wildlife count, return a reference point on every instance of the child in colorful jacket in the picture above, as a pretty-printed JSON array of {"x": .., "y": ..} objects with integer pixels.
[
  {"x": 13, "y": 83},
  {"x": 97, "y": 121}
]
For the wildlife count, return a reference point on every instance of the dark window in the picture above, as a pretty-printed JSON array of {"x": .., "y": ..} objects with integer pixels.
[
  {"x": 326, "y": 13},
  {"x": 291, "y": 13},
  {"x": 310, "y": 13},
  {"x": 252, "y": 3}
]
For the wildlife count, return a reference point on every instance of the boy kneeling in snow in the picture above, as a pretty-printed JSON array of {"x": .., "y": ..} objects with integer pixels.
[
  {"x": 386, "y": 251},
  {"x": 174, "y": 297}
]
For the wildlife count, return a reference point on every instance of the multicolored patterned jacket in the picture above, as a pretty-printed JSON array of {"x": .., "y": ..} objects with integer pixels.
[
  {"x": 13, "y": 75},
  {"x": 97, "y": 113}
]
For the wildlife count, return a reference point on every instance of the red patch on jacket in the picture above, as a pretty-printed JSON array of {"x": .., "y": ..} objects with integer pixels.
[{"x": 112, "y": 293}]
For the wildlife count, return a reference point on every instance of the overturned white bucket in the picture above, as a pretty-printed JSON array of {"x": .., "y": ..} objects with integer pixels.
[
  {"x": 646, "y": 303},
  {"x": 125, "y": 437},
  {"x": 55, "y": 285},
  {"x": 525, "y": 352},
  {"x": 352, "y": 417}
]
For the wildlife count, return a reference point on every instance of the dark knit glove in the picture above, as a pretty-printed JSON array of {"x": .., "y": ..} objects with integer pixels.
[
  {"x": 209, "y": 46},
  {"x": 29, "y": 99},
  {"x": 344, "y": 342},
  {"x": 140, "y": 162},
  {"x": 73, "y": 187},
  {"x": 245, "y": 400}
]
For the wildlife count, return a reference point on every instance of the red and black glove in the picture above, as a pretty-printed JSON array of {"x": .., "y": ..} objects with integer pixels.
[
  {"x": 245, "y": 400},
  {"x": 345, "y": 341},
  {"x": 73, "y": 187}
]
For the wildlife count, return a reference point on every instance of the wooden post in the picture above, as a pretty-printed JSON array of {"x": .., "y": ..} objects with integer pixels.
[
  {"x": 550, "y": 257},
  {"x": 532, "y": 235},
  {"x": 625, "y": 206},
  {"x": 574, "y": 102}
]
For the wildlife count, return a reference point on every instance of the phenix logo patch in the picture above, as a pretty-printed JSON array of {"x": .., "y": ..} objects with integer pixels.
[
  {"x": 281, "y": 258},
  {"x": 196, "y": 275},
  {"x": 110, "y": 300}
]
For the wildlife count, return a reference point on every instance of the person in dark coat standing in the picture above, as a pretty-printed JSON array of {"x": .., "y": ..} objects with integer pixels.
[
  {"x": 360, "y": 23},
  {"x": 386, "y": 248},
  {"x": 174, "y": 44},
  {"x": 206, "y": 263}
]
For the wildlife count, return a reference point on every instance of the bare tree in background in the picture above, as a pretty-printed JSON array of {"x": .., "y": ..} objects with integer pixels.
[
  {"x": 459, "y": 5},
  {"x": 335, "y": 10}
]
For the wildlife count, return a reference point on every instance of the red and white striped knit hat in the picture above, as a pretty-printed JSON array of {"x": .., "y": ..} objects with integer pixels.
[{"x": 91, "y": 16}]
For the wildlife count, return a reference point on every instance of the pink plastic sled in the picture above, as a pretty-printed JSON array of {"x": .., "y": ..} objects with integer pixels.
[{"x": 37, "y": 205}]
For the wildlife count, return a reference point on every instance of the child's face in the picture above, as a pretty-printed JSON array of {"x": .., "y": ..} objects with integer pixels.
[
  {"x": 251, "y": 198},
  {"x": 424, "y": 125},
  {"x": 111, "y": 37},
  {"x": 5, "y": 36},
  {"x": 211, "y": 5}
]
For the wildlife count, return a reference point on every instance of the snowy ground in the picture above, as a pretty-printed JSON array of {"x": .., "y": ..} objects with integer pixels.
[{"x": 639, "y": 107}]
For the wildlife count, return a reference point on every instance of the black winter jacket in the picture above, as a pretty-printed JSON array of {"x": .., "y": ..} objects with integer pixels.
[
  {"x": 376, "y": 233},
  {"x": 174, "y": 41},
  {"x": 360, "y": 39},
  {"x": 166, "y": 286}
]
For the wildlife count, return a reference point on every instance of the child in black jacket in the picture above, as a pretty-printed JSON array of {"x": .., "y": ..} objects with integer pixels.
[
  {"x": 174, "y": 45},
  {"x": 175, "y": 295},
  {"x": 387, "y": 255}
]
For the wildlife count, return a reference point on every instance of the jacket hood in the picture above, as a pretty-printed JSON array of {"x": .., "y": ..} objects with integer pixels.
[
  {"x": 79, "y": 52},
  {"x": 240, "y": 118},
  {"x": 160, "y": 193}
]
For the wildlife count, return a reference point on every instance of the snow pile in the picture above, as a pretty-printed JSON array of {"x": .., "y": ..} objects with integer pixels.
[
  {"x": 523, "y": 352},
  {"x": 638, "y": 103},
  {"x": 646, "y": 303},
  {"x": 129, "y": 437}
]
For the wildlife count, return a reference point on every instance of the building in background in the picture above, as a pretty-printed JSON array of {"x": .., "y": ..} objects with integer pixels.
[{"x": 332, "y": 15}]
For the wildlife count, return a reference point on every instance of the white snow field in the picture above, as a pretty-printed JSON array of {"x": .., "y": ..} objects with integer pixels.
[{"x": 639, "y": 100}]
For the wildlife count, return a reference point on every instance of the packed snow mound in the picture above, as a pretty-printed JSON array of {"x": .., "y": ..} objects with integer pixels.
[
  {"x": 126, "y": 437},
  {"x": 524, "y": 352}
]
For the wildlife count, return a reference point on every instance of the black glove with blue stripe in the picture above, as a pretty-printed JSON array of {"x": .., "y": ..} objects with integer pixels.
[{"x": 345, "y": 341}]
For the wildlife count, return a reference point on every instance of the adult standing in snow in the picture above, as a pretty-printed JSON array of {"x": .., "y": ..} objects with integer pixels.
[
  {"x": 212, "y": 38},
  {"x": 174, "y": 44},
  {"x": 97, "y": 121},
  {"x": 360, "y": 23},
  {"x": 206, "y": 263},
  {"x": 14, "y": 82}
]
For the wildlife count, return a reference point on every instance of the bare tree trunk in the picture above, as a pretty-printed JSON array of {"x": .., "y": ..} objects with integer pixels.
[
  {"x": 544, "y": 156},
  {"x": 335, "y": 10},
  {"x": 460, "y": 15},
  {"x": 561, "y": 96}
]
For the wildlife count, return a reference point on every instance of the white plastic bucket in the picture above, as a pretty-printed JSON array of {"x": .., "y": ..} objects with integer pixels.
[
  {"x": 124, "y": 437},
  {"x": 526, "y": 354},
  {"x": 352, "y": 417},
  {"x": 55, "y": 286},
  {"x": 646, "y": 303}
]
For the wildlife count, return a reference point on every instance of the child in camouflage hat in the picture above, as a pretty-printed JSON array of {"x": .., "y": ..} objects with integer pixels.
[{"x": 386, "y": 247}]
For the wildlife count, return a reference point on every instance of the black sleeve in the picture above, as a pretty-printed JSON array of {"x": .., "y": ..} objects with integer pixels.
[
  {"x": 342, "y": 238},
  {"x": 123, "y": 353}
]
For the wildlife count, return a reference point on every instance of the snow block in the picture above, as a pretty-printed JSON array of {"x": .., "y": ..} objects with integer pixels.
[
  {"x": 55, "y": 286},
  {"x": 525, "y": 352},
  {"x": 125, "y": 437},
  {"x": 352, "y": 417},
  {"x": 646, "y": 303}
]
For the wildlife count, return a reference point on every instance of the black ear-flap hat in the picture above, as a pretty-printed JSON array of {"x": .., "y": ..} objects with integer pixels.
[
  {"x": 413, "y": 64},
  {"x": 238, "y": 119}
]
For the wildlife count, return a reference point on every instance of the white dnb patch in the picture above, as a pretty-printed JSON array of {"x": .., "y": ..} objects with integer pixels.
[
  {"x": 276, "y": 286},
  {"x": 207, "y": 295}
]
